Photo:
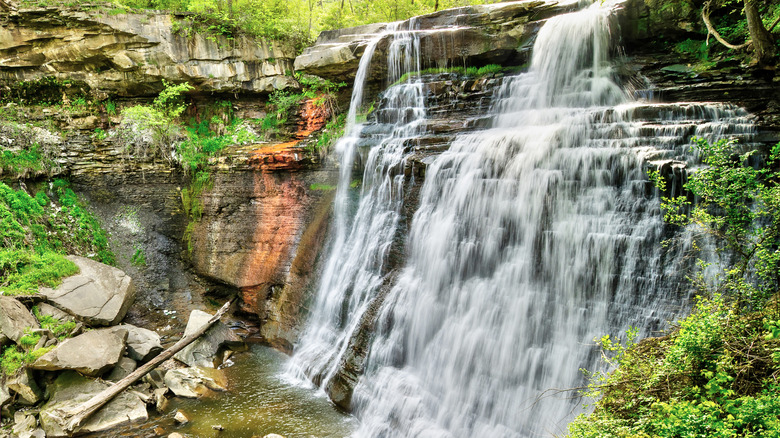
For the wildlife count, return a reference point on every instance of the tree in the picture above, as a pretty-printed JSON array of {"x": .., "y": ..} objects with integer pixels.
[
  {"x": 150, "y": 130},
  {"x": 761, "y": 39},
  {"x": 739, "y": 206}
]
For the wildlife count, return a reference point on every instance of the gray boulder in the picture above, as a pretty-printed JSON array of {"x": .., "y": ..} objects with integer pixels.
[
  {"x": 123, "y": 368},
  {"x": 142, "y": 344},
  {"x": 98, "y": 295},
  {"x": 70, "y": 389},
  {"x": 15, "y": 318},
  {"x": 24, "y": 385},
  {"x": 92, "y": 353},
  {"x": 202, "y": 352},
  {"x": 5, "y": 395},
  {"x": 195, "y": 382}
]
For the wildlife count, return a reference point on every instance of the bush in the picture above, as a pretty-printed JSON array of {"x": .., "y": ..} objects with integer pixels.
[{"x": 150, "y": 130}]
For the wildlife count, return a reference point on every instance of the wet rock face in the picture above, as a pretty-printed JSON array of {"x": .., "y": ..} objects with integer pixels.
[
  {"x": 261, "y": 231},
  {"x": 473, "y": 35},
  {"x": 129, "y": 54}
]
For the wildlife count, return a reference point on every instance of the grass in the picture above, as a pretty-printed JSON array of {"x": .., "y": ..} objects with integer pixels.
[
  {"x": 60, "y": 329},
  {"x": 37, "y": 231}
]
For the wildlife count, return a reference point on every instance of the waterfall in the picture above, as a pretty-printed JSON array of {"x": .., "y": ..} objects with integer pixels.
[
  {"x": 532, "y": 238},
  {"x": 353, "y": 272}
]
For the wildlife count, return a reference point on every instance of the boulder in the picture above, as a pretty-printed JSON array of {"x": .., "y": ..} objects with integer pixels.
[
  {"x": 5, "y": 395},
  {"x": 160, "y": 400},
  {"x": 92, "y": 353},
  {"x": 26, "y": 426},
  {"x": 203, "y": 351},
  {"x": 122, "y": 369},
  {"x": 15, "y": 318},
  {"x": 98, "y": 295},
  {"x": 181, "y": 418},
  {"x": 155, "y": 378},
  {"x": 195, "y": 382},
  {"x": 45, "y": 309},
  {"x": 25, "y": 386},
  {"x": 142, "y": 344},
  {"x": 71, "y": 389}
]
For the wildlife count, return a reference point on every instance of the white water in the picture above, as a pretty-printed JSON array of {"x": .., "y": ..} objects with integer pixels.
[
  {"x": 531, "y": 239},
  {"x": 353, "y": 273}
]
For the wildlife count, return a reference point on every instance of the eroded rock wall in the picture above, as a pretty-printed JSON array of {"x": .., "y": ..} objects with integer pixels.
[{"x": 129, "y": 54}]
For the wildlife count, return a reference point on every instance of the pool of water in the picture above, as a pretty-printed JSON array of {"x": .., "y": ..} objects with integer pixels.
[{"x": 258, "y": 402}]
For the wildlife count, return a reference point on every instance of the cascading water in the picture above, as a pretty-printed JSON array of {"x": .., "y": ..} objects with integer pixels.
[
  {"x": 354, "y": 272},
  {"x": 531, "y": 239}
]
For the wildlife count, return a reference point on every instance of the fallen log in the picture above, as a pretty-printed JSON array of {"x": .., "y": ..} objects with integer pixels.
[{"x": 73, "y": 418}]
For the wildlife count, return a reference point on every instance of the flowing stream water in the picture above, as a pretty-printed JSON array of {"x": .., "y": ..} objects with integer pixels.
[{"x": 532, "y": 238}]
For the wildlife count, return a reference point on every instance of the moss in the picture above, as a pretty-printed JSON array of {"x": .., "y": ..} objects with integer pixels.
[{"x": 36, "y": 233}]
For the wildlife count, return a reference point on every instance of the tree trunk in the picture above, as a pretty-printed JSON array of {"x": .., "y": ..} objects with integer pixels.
[{"x": 763, "y": 42}]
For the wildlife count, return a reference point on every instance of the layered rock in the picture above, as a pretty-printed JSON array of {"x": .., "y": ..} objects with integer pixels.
[
  {"x": 498, "y": 33},
  {"x": 130, "y": 54},
  {"x": 261, "y": 231}
]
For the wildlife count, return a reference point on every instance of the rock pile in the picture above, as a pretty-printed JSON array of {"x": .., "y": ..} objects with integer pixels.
[{"x": 57, "y": 372}]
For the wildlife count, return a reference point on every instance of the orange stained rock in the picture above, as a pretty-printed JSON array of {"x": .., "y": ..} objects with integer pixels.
[
  {"x": 314, "y": 116},
  {"x": 277, "y": 229}
]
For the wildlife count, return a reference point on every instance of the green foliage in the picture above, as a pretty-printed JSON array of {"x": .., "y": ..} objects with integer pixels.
[
  {"x": 14, "y": 359},
  {"x": 202, "y": 142},
  {"x": 488, "y": 70},
  {"x": 100, "y": 134},
  {"x": 322, "y": 187},
  {"x": 714, "y": 376},
  {"x": 334, "y": 130},
  {"x": 22, "y": 162},
  {"x": 111, "y": 108},
  {"x": 694, "y": 49},
  {"x": 282, "y": 101},
  {"x": 156, "y": 122},
  {"x": 139, "y": 256},
  {"x": 35, "y": 232},
  {"x": 29, "y": 339},
  {"x": 23, "y": 271},
  {"x": 61, "y": 330},
  {"x": 739, "y": 205}
]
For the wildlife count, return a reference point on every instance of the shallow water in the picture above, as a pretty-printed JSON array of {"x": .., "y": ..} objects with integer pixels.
[{"x": 258, "y": 402}]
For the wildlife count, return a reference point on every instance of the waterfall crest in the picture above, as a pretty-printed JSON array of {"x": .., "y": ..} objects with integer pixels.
[{"x": 531, "y": 238}]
